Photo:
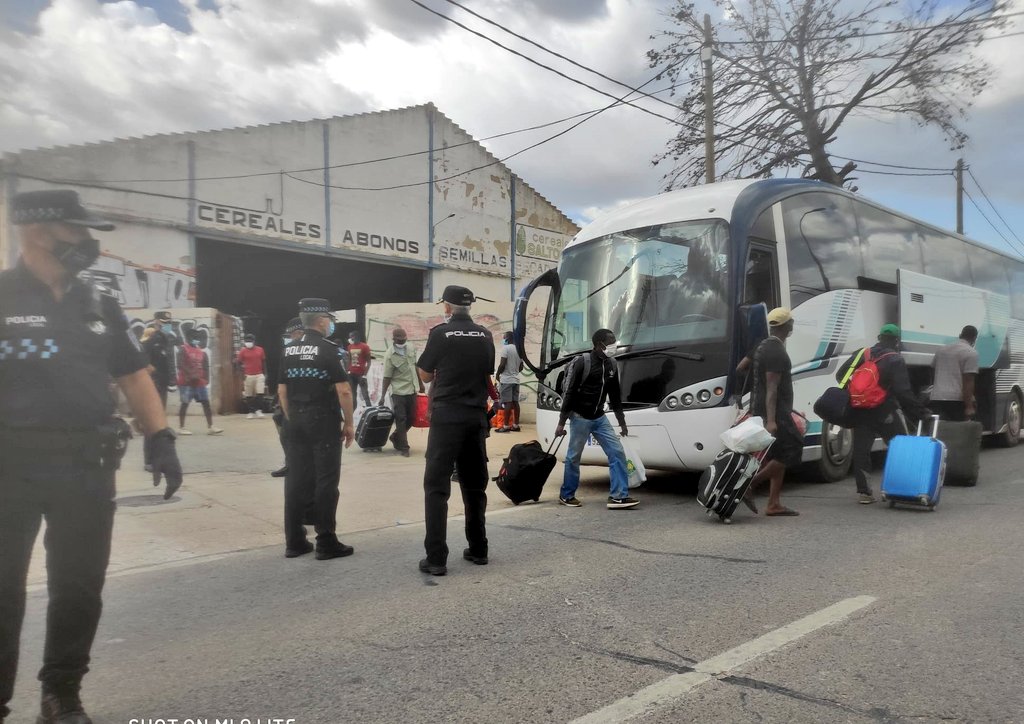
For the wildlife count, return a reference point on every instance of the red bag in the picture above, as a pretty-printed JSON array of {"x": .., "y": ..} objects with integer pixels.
[
  {"x": 864, "y": 387},
  {"x": 421, "y": 417}
]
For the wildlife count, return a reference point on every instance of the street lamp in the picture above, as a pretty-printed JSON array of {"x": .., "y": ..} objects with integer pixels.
[{"x": 434, "y": 227}]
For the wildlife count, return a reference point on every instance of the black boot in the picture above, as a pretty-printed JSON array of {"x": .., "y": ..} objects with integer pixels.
[
  {"x": 61, "y": 705},
  {"x": 280, "y": 472}
]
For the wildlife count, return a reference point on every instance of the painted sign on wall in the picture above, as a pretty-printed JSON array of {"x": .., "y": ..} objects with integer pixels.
[{"x": 140, "y": 287}]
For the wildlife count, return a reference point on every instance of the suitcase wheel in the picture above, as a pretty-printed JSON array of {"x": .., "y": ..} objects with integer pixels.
[
  {"x": 892, "y": 503},
  {"x": 926, "y": 501},
  {"x": 727, "y": 521},
  {"x": 932, "y": 508}
]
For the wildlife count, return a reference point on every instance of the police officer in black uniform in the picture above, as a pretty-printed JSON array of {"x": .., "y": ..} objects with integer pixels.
[
  {"x": 61, "y": 341},
  {"x": 316, "y": 398},
  {"x": 293, "y": 332},
  {"x": 459, "y": 360}
]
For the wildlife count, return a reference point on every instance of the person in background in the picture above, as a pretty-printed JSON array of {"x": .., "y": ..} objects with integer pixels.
[
  {"x": 359, "y": 356},
  {"x": 593, "y": 378},
  {"x": 885, "y": 420},
  {"x": 955, "y": 369},
  {"x": 401, "y": 378},
  {"x": 193, "y": 381},
  {"x": 771, "y": 399},
  {"x": 253, "y": 362},
  {"x": 508, "y": 383}
]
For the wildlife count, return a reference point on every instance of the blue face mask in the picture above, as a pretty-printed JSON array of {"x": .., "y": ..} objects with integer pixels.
[
  {"x": 167, "y": 328},
  {"x": 330, "y": 329}
]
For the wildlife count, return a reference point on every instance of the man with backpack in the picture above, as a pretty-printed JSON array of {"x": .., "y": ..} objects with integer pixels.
[
  {"x": 879, "y": 387},
  {"x": 591, "y": 379},
  {"x": 193, "y": 381}
]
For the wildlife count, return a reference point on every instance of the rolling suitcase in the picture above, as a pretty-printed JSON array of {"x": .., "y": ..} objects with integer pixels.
[
  {"x": 725, "y": 481},
  {"x": 914, "y": 469},
  {"x": 963, "y": 451},
  {"x": 526, "y": 469},
  {"x": 373, "y": 428}
]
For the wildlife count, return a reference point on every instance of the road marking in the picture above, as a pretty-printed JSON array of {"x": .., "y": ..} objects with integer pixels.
[{"x": 676, "y": 686}]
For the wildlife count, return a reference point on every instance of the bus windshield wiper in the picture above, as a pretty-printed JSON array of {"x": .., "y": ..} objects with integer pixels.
[{"x": 694, "y": 356}]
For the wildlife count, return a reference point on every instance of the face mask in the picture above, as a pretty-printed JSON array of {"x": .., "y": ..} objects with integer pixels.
[
  {"x": 77, "y": 257},
  {"x": 248, "y": 345},
  {"x": 330, "y": 328},
  {"x": 167, "y": 328},
  {"x": 400, "y": 348},
  {"x": 285, "y": 340},
  {"x": 610, "y": 349}
]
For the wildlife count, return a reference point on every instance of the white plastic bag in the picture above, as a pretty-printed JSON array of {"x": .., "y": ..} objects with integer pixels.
[
  {"x": 634, "y": 465},
  {"x": 747, "y": 437}
]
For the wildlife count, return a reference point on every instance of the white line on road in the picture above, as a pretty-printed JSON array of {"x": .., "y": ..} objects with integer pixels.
[{"x": 674, "y": 687}]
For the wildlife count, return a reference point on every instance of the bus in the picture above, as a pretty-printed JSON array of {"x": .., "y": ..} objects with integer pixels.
[{"x": 684, "y": 280}]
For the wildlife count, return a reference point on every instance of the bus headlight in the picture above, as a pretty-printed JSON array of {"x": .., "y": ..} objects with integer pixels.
[
  {"x": 672, "y": 403},
  {"x": 703, "y": 396},
  {"x": 687, "y": 399}
]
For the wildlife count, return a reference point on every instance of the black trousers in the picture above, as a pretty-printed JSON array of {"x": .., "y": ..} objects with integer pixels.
[
  {"x": 66, "y": 485},
  {"x": 884, "y": 422},
  {"x": 405, "y": 410},
  {"x": 448, "y": 445},
  {"x": 359, "y": 384},
  {"x": 314, "y": 471},
  {"x": 949, "y": 410}
]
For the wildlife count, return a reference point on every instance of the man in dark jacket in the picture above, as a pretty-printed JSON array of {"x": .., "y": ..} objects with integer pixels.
[
  {"x": 884, "y": 420},
  {"x": 591, "y": 379}
]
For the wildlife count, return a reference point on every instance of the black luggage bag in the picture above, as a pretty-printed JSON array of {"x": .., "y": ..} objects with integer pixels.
[
  {"x": 374, "y": 428},
  {"x": 526, "y": 469},
  {"x": 963, "y": 451},
  {"x": 725, "y": 482}
]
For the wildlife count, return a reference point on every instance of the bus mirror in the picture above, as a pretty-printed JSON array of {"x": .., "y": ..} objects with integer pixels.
[{"x": 519, "y": 319}]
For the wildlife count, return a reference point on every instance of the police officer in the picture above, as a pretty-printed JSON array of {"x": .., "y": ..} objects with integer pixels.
[
  {"x": 316, "y": 399},
  {"x": 293, "y": 332},
  {"x": 459, "y": 360},
  {"x": 61, "y": 341}
]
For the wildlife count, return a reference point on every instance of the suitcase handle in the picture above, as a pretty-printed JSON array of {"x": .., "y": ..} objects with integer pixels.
[
  {"x": 553, "y": 445},
  {"x": 935, "y": 426}
]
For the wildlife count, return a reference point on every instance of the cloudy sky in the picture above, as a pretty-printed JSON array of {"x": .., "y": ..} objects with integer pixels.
[{"x": 83, "y": 70}]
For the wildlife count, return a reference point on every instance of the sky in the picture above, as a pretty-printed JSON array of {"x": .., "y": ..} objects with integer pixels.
[{"x": 73, "y": 71}]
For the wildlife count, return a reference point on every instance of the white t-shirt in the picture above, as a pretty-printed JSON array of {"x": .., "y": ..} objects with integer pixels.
[{"x": 510, "y": 375}]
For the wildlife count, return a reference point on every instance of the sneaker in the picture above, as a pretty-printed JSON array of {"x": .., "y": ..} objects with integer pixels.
[
  {"x": 404, "y": 453},
  {"x": 503, "y": 429},
  {"x": 336, "y": 549},
  {"x": 866, "y": 499},
  {"x": 617, "y": 503},
  {"x": 433, "y": 569},
  {"x": 280, "y": 472},
  {"x": 467, "y": 554},
  {"x": 251, "y": 416},
  {"x": 214, "y": 431},
  {"x": 184, "y": 431},
  {"x": 62, "y": 706},
  {"x": 572, "y": 502},
  {"x": 259, "y": 413},
  {"x": 305, "y": 548},
  {"x": 515, "y": 428}
]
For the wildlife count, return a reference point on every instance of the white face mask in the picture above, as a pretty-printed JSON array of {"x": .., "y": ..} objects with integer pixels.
[
  {"x": 610, "y": 349},
  {"x": 249, "y": 345},
  {"x": 400, "y": 348}
]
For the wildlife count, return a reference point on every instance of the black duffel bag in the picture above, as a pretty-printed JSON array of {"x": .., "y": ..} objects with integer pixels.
[
  {"x": 526, "y": 469},
  {"x": 833, "y": 406}
]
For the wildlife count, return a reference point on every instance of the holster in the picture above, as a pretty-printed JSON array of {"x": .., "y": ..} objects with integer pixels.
[{"x": 113, "y": 439}]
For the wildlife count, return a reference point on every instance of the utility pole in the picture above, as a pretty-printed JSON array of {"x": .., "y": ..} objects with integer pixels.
[
  {"x": 709, "y": 104},
  {"x": 959, "y": 173}
]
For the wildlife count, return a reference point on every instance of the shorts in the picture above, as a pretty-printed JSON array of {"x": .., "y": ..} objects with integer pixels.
[
  {"x": 254, "y": 385},
  {"x": 509, "y": 392},
  {"x": 194, "y": 394},
  {"x": 788, "y": 447}
]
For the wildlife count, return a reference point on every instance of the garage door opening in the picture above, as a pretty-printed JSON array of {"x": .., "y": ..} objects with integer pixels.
[{"x": 263, "y": 286}]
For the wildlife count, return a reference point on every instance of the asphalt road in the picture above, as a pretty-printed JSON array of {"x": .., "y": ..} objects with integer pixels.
[{"x": 584, "y": 609}]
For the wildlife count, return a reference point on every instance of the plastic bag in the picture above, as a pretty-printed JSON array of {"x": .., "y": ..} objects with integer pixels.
[
  {"x": 747, "y": 437},
  {"x": 634, "y": 465}
]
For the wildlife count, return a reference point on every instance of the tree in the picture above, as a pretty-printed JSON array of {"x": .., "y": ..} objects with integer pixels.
[{"x": 789, "y": 73}]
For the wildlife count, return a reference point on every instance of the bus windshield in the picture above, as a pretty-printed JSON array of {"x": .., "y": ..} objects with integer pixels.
[{"x": 663, "y": 284}]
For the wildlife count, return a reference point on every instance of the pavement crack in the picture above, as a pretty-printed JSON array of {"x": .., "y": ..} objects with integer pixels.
[
  {"x": 678, "y": 655},
  {"x": 617, "y": 544},
  {"x": 630, "y": 658}
]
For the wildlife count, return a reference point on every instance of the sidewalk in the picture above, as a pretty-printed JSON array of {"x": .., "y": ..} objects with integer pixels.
[{"x": 230, "y": 503}]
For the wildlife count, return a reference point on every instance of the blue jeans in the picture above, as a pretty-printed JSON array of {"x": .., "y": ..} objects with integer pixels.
[{"x": 580, "y": 428}]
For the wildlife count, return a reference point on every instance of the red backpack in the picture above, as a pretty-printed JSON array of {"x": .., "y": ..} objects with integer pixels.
[
  {"x": 193, "y": 360},
  {"x": 864, "y": 385}
]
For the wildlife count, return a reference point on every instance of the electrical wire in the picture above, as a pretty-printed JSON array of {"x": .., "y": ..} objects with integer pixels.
[
  {"x": 994, "y": 227},
  {"x": 1001, "y": 218}
]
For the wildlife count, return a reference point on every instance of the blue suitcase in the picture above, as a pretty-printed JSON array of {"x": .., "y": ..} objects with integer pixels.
[{"x": 914, "y": 469}]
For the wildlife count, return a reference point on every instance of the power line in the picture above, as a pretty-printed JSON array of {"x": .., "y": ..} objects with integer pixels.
[
  {"x": 896, "y": 31},
  {"x": 994, "y": 227},
  {"x": 947, "y": 172},
  {"x": 1001, "y": 218}
]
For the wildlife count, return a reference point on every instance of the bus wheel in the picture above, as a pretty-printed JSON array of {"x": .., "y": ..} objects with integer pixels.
[
  {"x": 836, "y": 452},
  {"x": 1011, "y": 436}
]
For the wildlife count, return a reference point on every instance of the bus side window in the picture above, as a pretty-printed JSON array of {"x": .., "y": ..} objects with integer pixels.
[
  {"x": 760, "y": 278},
  {"x": 1017, "y": 292},
  {"x": 945, "y": 257},
  {"x": 890, "y": 243},
  {"x": 822, "y": 244},
  {"x": 988, "y": 270}
]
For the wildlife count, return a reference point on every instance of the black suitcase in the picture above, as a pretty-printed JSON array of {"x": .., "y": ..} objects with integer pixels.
[
  {"x": 374, "y": 428},
  {"x": 525, "y": 470},
  {"x": 963, "y": 451},
  {"x": 725, "y": 481}
]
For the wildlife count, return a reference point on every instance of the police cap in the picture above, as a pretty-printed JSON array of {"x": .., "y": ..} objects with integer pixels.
[
  {"x": 54, "y": 206},
  {"x": 294, "y": 325},
  {"x": 314, "y": 305},
  {"x": 459, "y": 296}
]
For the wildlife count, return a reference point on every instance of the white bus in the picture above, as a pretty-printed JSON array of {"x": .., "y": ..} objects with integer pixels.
[{"x": 680, "y": 278}]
